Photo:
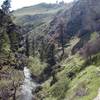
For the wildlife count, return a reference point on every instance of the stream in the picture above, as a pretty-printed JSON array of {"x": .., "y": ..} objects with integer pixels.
[{"x": 28, "y": 86}]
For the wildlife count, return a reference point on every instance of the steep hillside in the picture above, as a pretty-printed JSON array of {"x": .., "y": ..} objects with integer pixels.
[
  {"x": 75, "y": 77},
  {"x": 36, "y": 19},
  {"x": 81, "y": 20},
  {"x": 37, "y": 9},
  {"x": 11, "y": 74},
  {"x": 63, "y": 50},
  {"x": 67, "y": 76},
  {"x": 36, "y": 14}
]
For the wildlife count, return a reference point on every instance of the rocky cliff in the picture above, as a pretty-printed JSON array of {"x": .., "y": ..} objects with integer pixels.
[{"x": 80, "y": 20}]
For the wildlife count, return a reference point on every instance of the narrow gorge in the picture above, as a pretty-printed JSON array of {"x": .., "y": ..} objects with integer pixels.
[{"x": 50, "y": 51}]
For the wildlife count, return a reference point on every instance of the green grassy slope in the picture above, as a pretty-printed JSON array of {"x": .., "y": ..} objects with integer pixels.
[
  {"x": 36, "y": 19},
  {"x": 33, "y": 14},
  {"x": 9, "y": 75},
  {"x": 37, "y": 9},
  {"x": 75, "y": 79}
]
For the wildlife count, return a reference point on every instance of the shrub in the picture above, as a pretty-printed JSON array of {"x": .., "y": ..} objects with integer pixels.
[
  {"x": 91, "y": 48},
  {"x": 36, "y": 65},
  {"x": 59, "y": 89}
]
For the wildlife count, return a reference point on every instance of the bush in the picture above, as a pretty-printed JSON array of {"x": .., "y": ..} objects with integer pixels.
[
  {"x": 36, "y": 66},
  {"x": 91, "y": 48},
  {"x": 59, "y": 89}
]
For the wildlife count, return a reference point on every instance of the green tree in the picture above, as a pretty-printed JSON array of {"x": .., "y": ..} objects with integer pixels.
[
  {"x": 27, "y": 46},
  {"x": 42, "y": 50},
  {"x": 6, "y": 6},
  {"x": 61, "y": 35},
  {"x": 51, "y": 55},
  {"x": 33, "y": 47}
]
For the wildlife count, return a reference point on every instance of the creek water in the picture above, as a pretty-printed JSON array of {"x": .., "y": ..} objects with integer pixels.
[{"x": 28, "y": 86}]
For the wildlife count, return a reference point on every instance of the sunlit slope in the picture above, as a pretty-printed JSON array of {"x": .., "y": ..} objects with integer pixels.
[{"x": 36, "y": 13}]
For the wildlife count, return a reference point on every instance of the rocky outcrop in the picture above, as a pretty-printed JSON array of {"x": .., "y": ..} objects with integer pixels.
[
  {"x": 85, "y": 16},
  {"x": 80, "y": 20}
]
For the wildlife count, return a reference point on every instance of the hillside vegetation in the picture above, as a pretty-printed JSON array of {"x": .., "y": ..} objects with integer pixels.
[
  {"x": 59, "y": 43},
  {"x": 36, "y": 14},
  {"x": 11, "y": 75},
  {"x": 64, "y": 50}
]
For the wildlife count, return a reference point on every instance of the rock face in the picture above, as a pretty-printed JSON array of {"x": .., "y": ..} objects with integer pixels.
[
  {"x": 80, "y": 19},
  {"x": 85, "y": 16}
]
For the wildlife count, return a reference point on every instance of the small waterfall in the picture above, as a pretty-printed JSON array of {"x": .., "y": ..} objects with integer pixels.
[{"x": 28, "y": 86}]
